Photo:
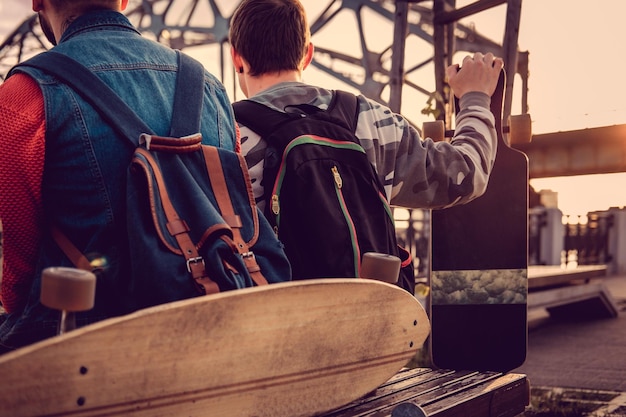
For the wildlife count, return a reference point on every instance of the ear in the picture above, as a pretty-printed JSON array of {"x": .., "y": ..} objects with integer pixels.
[
  {"x": 237, "y": 60},
  {"x": 37, "y": 5},
  {"x": 309, "y": 56},
  {"x": 124, "y": 5}
]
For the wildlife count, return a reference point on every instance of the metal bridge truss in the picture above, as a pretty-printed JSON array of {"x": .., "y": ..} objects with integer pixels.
[{"x": 398, "y": 52}]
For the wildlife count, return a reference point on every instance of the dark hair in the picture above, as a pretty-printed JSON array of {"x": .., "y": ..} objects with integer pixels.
[{"x": 271, "y": 35}]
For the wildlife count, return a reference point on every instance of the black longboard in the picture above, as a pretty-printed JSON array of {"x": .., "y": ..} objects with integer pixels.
[{"x": 479, "y": 267}]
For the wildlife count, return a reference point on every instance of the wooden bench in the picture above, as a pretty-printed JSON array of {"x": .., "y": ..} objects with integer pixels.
[
  {"x": 445, "y": 393},
  {"x": 569, "y": 293}
]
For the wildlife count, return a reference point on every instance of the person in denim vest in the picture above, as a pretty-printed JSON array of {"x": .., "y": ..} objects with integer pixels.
[{"x": 61, "y": 164}]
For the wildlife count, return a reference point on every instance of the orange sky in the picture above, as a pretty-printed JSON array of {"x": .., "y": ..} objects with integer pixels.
[{"x": 575, "y": 82}]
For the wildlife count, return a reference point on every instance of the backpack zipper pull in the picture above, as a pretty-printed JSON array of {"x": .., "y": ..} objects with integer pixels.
[
  {"x": 338, "y": 179},
  {"x": 275, "y": 205}
]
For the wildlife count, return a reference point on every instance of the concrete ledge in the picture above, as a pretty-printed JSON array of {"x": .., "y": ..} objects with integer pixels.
[{"x": 575, "y": 302}]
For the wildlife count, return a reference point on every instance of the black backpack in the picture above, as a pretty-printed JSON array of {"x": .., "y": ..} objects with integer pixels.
[
  {"x": 323, "y": 196},
  {"x": 193, "y": 224}
]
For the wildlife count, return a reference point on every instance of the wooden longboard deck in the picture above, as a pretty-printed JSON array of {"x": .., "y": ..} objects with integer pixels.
[
  {"x": 288, "y": 349},
  {"x": 479, "y": 269}
]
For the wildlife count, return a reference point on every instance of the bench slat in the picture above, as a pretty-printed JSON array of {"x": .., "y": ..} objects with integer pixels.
[{"x": 446, "y": 394}]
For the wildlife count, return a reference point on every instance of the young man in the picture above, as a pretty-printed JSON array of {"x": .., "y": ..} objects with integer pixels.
[
  {"x": 270, "y": 48},
  {"x": 61, "y": 164}
]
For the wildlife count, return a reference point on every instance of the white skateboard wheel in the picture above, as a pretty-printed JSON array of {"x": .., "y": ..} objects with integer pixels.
[
  {"x": 381, "y": 267},
  {"x": 68, "y": 289},
  {"x": 520, "y": 129}
]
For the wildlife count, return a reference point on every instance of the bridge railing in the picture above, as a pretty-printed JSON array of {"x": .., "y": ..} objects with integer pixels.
[{"x": 588, "y": 237}]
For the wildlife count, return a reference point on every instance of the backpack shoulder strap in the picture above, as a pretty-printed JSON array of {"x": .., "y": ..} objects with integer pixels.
[
  {"x": 345, "y": 106},
  {"x": 187, "y": 99},
  {"x": 260, "y": 118}
]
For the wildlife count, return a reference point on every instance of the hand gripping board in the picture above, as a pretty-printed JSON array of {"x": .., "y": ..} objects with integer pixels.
[
  {"x": 288, "y": 349},
  {"x": 479, "y": 268}
]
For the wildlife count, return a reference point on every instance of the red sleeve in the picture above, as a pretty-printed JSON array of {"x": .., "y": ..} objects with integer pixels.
[{"x": 22, "y": 147}]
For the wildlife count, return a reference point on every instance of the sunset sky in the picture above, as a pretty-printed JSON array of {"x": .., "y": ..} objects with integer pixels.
[{"x": 575, "y": 82}]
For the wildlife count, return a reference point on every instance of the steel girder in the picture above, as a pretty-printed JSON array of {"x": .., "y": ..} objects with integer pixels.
[{"x": 400, "y": 67}]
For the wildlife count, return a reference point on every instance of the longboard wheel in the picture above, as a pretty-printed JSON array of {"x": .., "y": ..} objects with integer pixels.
[
  {"x": 434, "y": 130},
  {"x": 68, "y": 289},
  {"x": 408, "y": 410},
  {"x": 520, "y": 129},
  {"x": 381, "y": 267}
]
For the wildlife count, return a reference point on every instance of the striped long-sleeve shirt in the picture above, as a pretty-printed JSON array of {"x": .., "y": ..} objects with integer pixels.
[{"x": 416, "y": 172}]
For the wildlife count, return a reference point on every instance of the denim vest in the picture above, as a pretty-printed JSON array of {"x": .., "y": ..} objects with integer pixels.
[{"x": 86, "y": 162}]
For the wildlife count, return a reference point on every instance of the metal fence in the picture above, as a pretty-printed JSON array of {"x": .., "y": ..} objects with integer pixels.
[
  {"x": 585, "y": 241},
  {"x": 588, "y": 237}
]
